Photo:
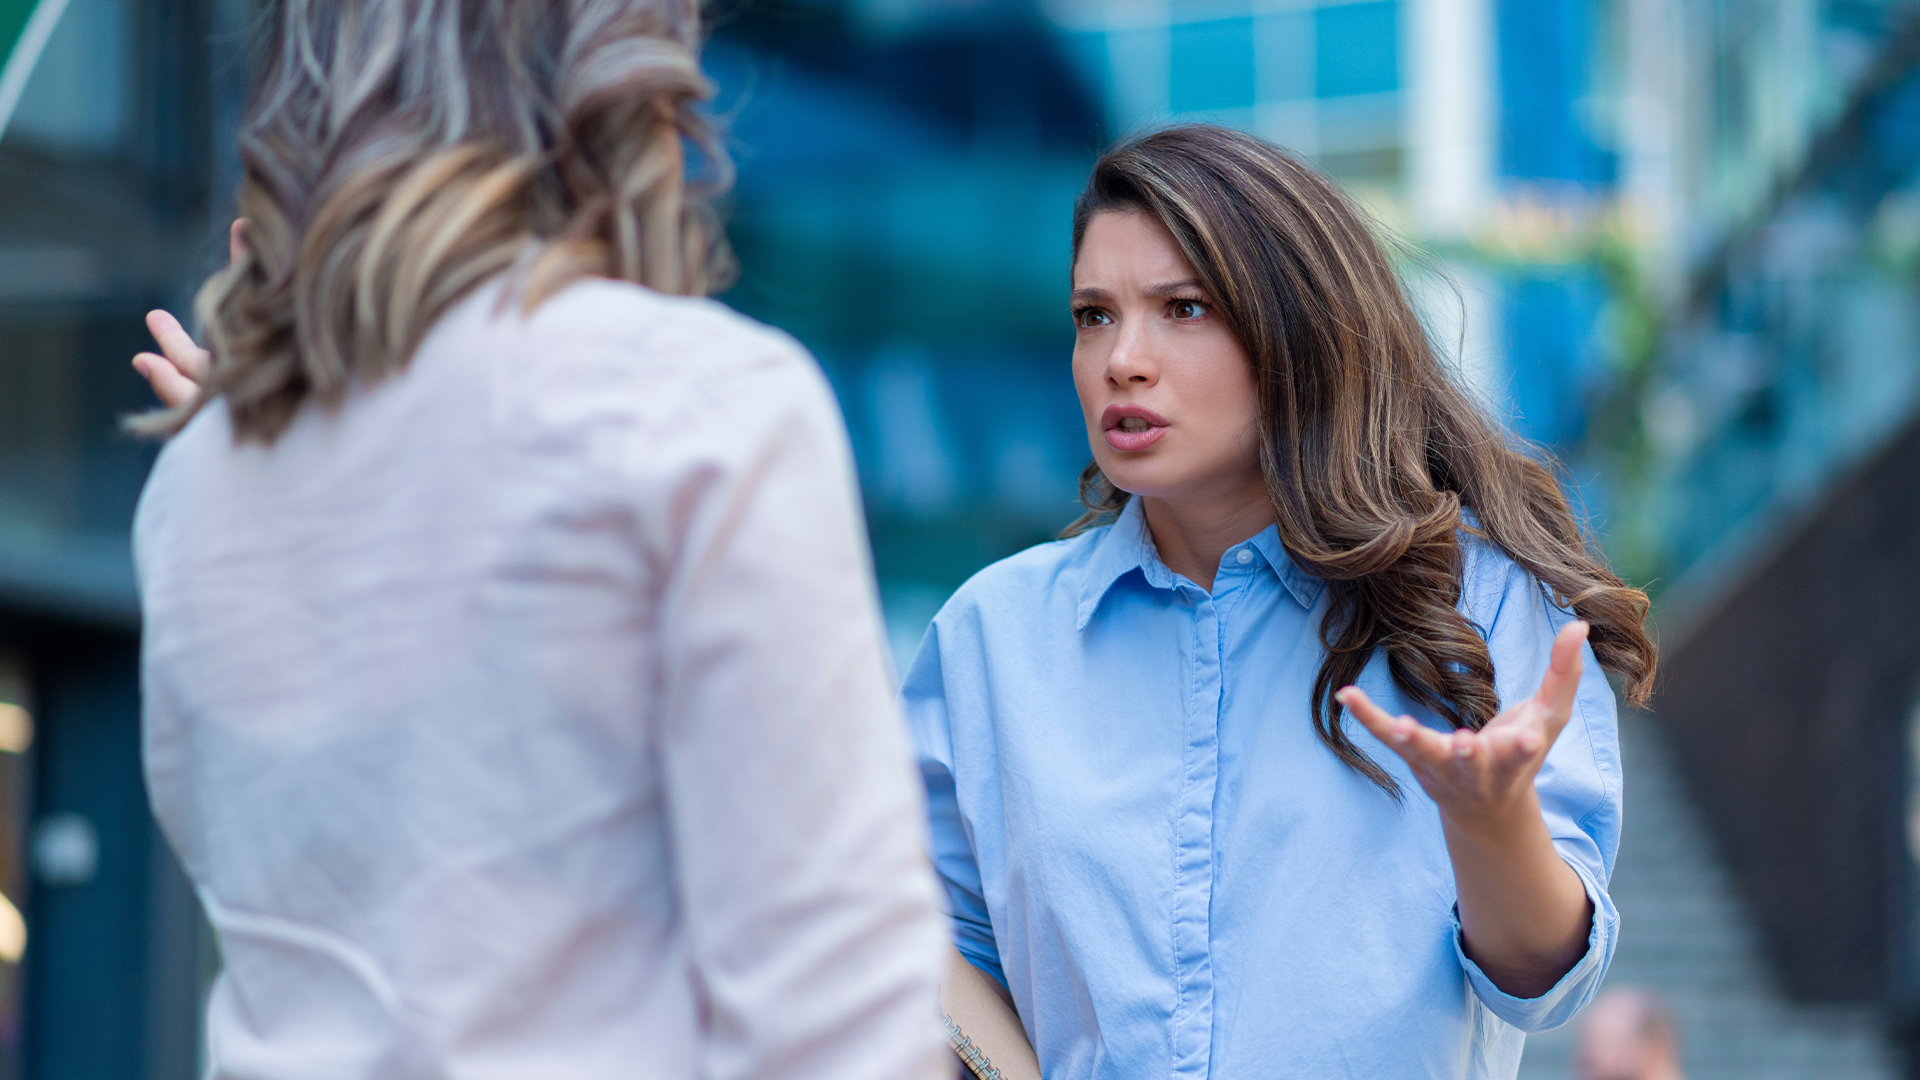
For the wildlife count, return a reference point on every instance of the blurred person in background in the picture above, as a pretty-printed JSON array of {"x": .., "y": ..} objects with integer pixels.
[
  {"x": 514, "y": 686},
  {"x": 1155, "y": 824},
  {"x": 1627, "y": 1035}
]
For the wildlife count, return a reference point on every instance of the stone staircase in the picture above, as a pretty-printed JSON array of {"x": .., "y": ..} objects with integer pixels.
[{"x": 1686, "y": 935}]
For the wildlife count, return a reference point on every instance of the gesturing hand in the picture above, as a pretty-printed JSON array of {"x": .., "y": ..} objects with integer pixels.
[
  {"x": 1482, "y": 778},
  {"x": 1524, "y": 914},
  {"x": 178, "y": 369}
]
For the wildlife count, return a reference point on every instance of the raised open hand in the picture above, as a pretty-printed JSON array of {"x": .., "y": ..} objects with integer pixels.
[
  {"x": 178, "y": 369},
  {"x": 1524, "y": 914},
  {"x": 1483, "y": 777}
]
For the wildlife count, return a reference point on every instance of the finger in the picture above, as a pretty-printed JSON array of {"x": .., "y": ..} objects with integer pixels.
[
  {"x": 189, "y": 359},
  {"x": 1522, "y": 736},
  {"x": 172, "y": 388},
  {"x": 237, "y": 240},
  {"x": 1408, "y": 737},
  {"x": 1562, "y": 680},
  {"x": 1475, "y": 758},
  {"x": 1511, "y": 746}
]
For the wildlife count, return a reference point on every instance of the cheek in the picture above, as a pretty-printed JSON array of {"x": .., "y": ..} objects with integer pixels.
[
  {"x": 1235, "y": 442},
  {"x": 1223, "y": 389},
  {"x": 1087, "y": 382}
]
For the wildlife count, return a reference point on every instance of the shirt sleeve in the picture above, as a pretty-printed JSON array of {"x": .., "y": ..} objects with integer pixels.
[
  {"x": 925, "y": 697},
  {"x": 813, "y": 926},
  {"x": 1579, "y": 784}
]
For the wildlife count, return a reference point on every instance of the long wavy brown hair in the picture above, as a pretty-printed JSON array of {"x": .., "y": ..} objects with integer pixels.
[
  {"x": 1372, "y": 455},
  {"x": 398, "y": 153}
]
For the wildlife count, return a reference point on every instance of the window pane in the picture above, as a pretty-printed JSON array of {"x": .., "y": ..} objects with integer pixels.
[
  {"x": 1357, "y": 49},
  {"x": 76, "y": 98},
  {"x": 1212, "y": 65},
  {"x": 1286, "y": 56}
]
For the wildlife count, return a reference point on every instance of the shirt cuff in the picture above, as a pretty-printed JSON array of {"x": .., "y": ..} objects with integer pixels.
[
  {"x": 1574, "y": 990},
  {"x": 978, "y": 946}
]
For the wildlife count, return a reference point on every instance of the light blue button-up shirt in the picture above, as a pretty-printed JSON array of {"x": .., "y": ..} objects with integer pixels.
[{"x": 1140, "y": 833}]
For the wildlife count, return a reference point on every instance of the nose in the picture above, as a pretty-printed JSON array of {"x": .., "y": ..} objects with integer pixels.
[{"x": 1131, "y": 362}]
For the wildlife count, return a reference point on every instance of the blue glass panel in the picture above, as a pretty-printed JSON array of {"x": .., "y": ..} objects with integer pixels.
[
  {"x": 1357, "y": 49},
  {"x": 86, "y": 964},
  {"x": 1893, "y": 129},
  {"x": 1545, "y": 70},
  {"x": 1212, "y": 65},
  {"x": 1286, "y": 55},
  {"x": 1549, "y": 321},
  {"x": 1088, "y": 54},
  {"x": 76, "y": 98}
]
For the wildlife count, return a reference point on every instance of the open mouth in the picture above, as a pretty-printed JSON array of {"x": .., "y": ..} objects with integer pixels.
[{"x": 1129, "y": 428}]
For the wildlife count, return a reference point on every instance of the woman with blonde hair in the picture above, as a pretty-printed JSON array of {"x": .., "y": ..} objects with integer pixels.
[{"x": 515, "y": 695}]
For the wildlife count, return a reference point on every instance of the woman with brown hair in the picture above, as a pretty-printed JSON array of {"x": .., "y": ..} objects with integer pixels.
[
  {"x": 1304, "y": 765},
  {"x": 514, "y": 686}
]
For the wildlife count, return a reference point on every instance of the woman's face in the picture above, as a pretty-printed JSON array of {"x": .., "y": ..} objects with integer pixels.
[{"x": 1166, "y": 388}]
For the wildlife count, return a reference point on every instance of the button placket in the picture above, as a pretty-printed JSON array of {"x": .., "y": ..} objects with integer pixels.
[{"x": 1194, "y": 841}]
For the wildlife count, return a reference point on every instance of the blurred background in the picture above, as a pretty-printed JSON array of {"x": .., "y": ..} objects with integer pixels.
[{"x": 1677, "y": 241}]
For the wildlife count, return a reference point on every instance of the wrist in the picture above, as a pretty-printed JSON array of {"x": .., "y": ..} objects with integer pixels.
[{"x": 1511, "y": 823}]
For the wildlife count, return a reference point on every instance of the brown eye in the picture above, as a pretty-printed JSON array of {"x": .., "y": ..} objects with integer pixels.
[
  {"x": 1090, "y": 317},
  {"x": 1186, "y": 309}
]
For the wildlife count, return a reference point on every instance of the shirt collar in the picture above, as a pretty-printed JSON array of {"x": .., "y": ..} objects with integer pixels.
[
  {"x": 1304, "y": 586},
  {"x": 1122, "y": 548},
  {"x": 1126, "y": 546}
]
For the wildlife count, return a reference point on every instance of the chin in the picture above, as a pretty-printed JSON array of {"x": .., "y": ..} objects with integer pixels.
[{"x": 1139, "y": 478}]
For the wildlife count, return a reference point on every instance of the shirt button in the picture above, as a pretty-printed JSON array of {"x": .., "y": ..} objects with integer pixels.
[{"x": 1244, "y": 557}]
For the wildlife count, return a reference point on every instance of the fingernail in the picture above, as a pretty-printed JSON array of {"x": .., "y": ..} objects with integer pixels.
[
  {"x": 1402, "y": 730},
  {"x": 1462, "y": 748}
]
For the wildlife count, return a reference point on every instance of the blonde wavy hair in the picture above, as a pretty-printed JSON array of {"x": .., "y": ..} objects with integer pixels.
[{"x": 398, "y": 153}]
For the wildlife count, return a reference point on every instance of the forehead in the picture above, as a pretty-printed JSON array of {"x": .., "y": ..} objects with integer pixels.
[
  {"x": 1613, "y": 1020},
  {"x": 1123, "y": 248}
]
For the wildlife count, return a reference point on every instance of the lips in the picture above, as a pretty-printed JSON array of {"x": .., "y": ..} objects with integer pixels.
[{"x": 1130, "y": 428}]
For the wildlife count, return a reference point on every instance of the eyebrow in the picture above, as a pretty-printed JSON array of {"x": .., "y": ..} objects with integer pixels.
[
  {"x": 1157, "y": 289},
  {"x": 1169, "y": 288}
]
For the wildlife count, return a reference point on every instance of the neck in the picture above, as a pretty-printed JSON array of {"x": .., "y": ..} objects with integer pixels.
[{"x": 1191, "y": 536}]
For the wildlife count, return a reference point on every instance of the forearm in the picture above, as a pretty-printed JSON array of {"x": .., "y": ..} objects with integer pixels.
[{"x": 1524, "y": 913}]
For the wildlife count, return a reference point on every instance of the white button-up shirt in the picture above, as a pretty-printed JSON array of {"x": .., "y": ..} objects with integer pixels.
[{"x": 527, "y": 716}]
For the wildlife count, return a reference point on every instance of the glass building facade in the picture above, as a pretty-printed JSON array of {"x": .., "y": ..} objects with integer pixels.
[
  {"x": 1323, "y": 79},
  {"x": 907, "y": 173},
  {"x": 109, "y": 170},
  {"x": 1677, "y": 243},
  {"x": 1786, "y": 184}
]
